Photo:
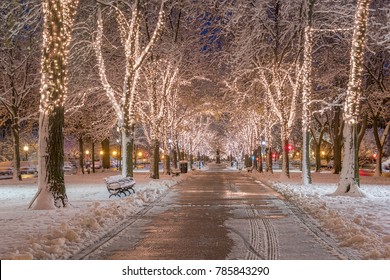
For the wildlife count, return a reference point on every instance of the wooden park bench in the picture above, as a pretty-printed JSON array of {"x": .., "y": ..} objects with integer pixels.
[
  {"x": 175, "y": 172},
  {"x": 117, "y": 185}
]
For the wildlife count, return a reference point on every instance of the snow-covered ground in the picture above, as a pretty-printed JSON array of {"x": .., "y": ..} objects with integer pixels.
[
  {"x": 362, "y": 224},
  {"x": 57, "y": 234}
]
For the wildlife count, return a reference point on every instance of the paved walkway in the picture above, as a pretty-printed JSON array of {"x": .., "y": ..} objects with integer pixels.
[{"x": 221, "y": 214}]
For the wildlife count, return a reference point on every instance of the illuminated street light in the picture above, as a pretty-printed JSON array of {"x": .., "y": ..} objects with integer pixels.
[{"x": 25, "y": 149}]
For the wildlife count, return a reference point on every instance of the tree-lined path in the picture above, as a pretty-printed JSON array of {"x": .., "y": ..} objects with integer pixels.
[{"x": 220, "y": 214}]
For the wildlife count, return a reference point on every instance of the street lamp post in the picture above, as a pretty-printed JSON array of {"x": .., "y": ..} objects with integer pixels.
[
  {"x": 25, "y": 149},
  {"x": 87, "y": 165}
]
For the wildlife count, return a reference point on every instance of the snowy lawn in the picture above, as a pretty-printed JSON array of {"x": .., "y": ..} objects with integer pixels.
[
  {"x": 58, "y": 234},
  {"x": 362, "y": 224}
]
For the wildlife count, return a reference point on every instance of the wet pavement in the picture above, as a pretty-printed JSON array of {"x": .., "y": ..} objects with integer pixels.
[{"x": 220, "y": 214}]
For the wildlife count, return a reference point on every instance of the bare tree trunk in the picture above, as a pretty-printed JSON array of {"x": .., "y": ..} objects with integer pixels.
[
  {"x": 248, "y": 162},
  {"x": 317, "y": 143},
  {"x": 306, "y": 169},
  {"x": 93, "y": 157},
  {"x": 81, "y": 152},
  {"x": 260, "y": 155},
  {"x": 269, "y": 160},
  {"x": 191, "y": 160},
  {"x": 167, "y": 165},
  {"x": 379, "y": 144},
  {"x": 349, "y": 178},
  {"x": 338, "y": 127},
  {"x": 362, "y": 130},
  {"x": 127, "y": 150},
  {"x": 134, "y": 156},
  {"x": 180, "y": 154},
  {"x": 16, "y": 143},
  {"x": 155, "y": 160},
  {"x": 337, "y": 150},
  {"x": 285, "y": 160},
  {"x": 318, "y": 155},
  {"x": 55, "y": 160},
  {"x": 106, "y": 153},
  {"x": 174, "y": 158}
]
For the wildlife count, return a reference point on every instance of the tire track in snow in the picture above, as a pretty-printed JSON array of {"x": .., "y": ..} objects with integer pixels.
[
  {"x": 269, "y": 243},
  {"x": 305, "y": 220},
  {"x": 272, "y": 240},
  {"x": 263, "y": 242},
  {"x": 256, "y": 242}
]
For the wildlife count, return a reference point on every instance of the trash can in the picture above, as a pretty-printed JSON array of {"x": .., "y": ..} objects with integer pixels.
[{"x": 183, "y": 166}]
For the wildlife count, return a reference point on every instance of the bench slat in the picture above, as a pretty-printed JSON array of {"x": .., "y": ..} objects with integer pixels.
[{"x": 116, "y": 185}]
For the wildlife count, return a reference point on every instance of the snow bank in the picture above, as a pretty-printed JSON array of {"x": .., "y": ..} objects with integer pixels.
[
  {"x": 359, "y": 223},
  {"x": 58, "y": 234}
]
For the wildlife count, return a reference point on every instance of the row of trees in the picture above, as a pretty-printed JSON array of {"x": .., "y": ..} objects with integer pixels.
[
  {"x": 294, "y": 59},
  {"x": 159, "y": 65},
  {"x": 111, "y": 64}
]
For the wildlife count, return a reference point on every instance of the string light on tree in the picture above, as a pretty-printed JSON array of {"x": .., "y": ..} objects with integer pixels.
[
  {"x": 349, "y": 179},
  {"x": 134, "y": 56},
  {"x": 58, "y": 19},
  {"x": 352, "y": 103}
]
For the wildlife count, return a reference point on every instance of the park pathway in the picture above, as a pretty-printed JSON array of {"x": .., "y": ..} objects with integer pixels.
[{"x": 220, "y": 214}]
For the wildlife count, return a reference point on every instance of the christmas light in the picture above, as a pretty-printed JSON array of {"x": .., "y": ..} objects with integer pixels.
[
  {"x": 56, "y": 39},
  {"x": 349, "y": 178},
  {"x": 125, "y": 109},
  {"x": 306, "y": 99},
  {"x": 331, "y": 30},
  {"x": 352, "y": 102},
  {"x": 58, "y": 20}
]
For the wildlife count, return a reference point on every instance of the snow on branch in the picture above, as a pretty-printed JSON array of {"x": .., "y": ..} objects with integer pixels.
[{"x": 102, "y": 70}]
